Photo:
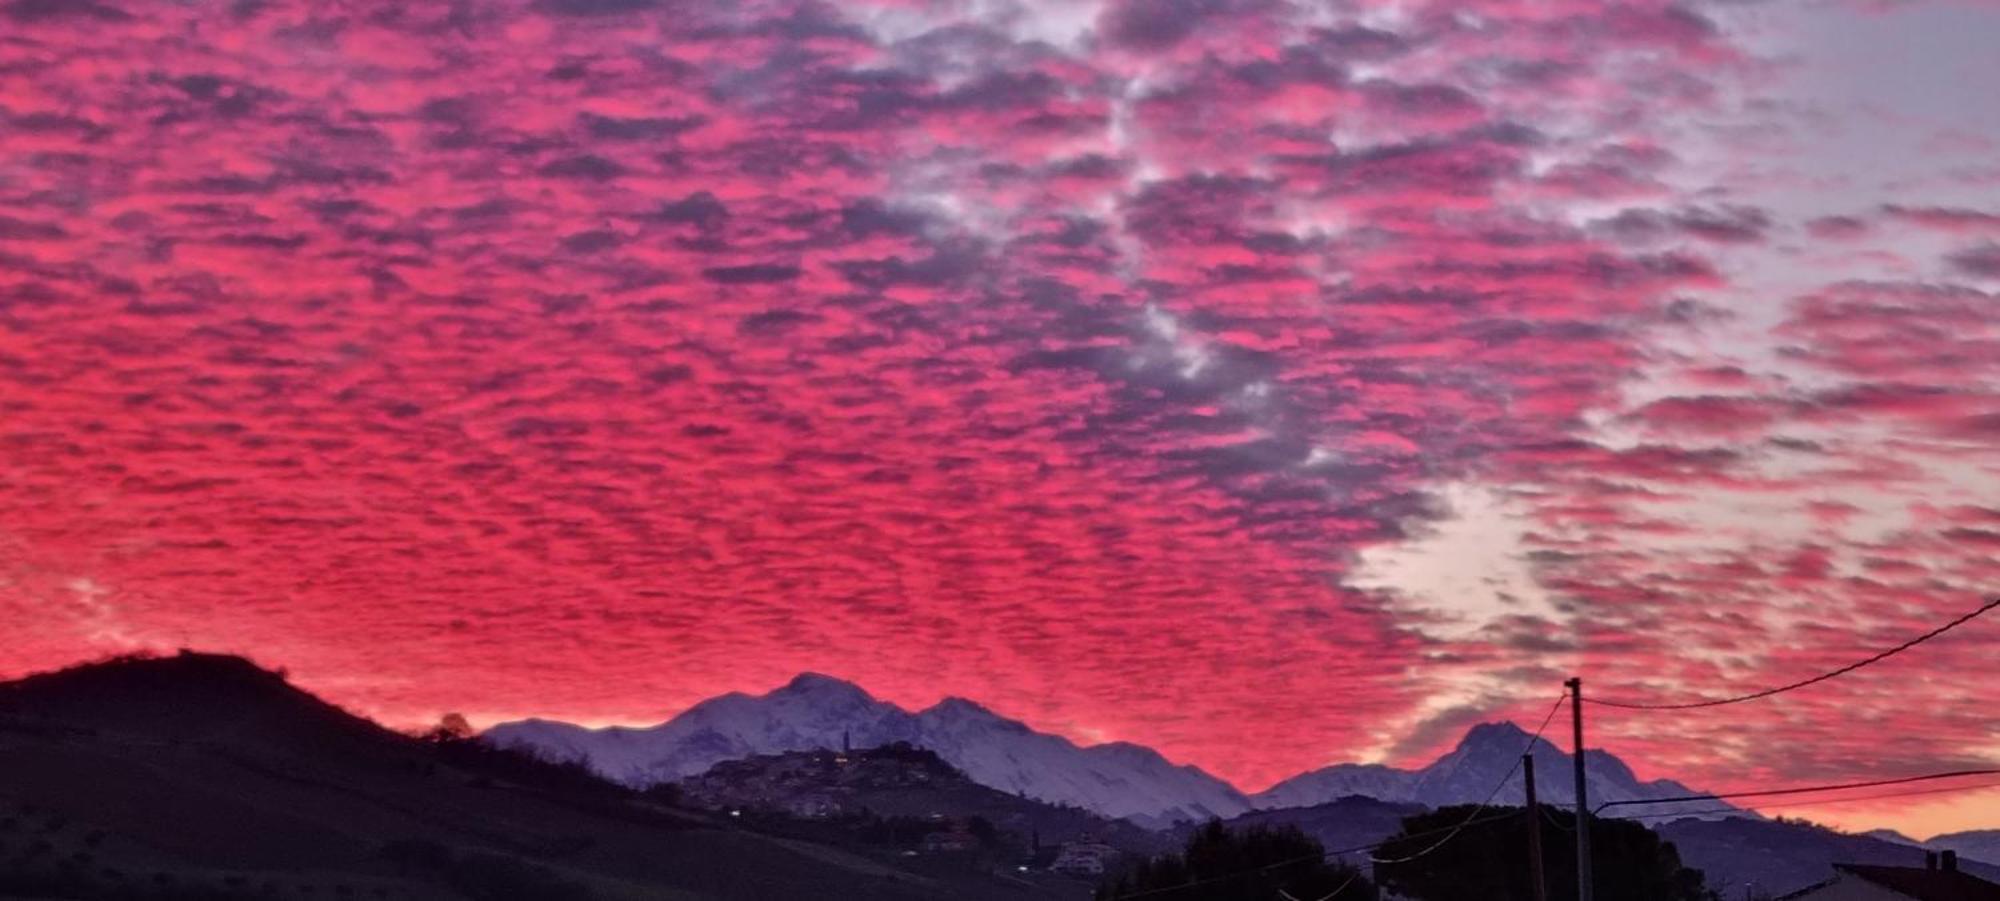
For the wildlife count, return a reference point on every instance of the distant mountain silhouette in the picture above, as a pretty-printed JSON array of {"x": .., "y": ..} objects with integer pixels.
[
  {"x": 1982, "y": 845},
  {"x": 1469, "y": 771},
  {"x": 815, "y": 711},
  {"x": 1342, "y": 823},
  {"x": 1773, "y": 857},
  {"x": 204, "y": 776}
]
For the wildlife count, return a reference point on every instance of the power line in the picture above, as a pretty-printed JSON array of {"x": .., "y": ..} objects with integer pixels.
[
  {"x": 1323, "y": 855},
  {"x": 1554, "y": 822},
  {"x": 1476, "y": 811},
  {"x": 1738, "y": 699},
  {"x": 1288, "y": 896},
  {"x": 1448, "y": 832},
  {"x": 1817, "y": 803},
  {"x": 1802, "y": 790},
  {"x": 1642, "y": 816},
  {"x": 1478, "y": 820}
]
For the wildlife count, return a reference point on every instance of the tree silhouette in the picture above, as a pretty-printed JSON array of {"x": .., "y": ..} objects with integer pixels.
[
  {"x": 450, "y": 727},
  {"x": 1254, "y": 864},
  {"x": 1488, "y": 860}
]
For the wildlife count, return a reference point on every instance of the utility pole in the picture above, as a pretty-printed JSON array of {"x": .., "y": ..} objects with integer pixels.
[
  {"x": 1535, "y": 881},
  {"x": 1585, "y": 887}
]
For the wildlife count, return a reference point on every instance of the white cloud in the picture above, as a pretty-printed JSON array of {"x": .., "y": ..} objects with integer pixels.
[{"x": 1465, "y": 575}]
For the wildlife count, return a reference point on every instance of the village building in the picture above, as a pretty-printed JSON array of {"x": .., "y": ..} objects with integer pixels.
[
  {"x": 813, "y": 807},
  {"x": 1086, "y": 857},
  {"x": 956, "y": 839}
]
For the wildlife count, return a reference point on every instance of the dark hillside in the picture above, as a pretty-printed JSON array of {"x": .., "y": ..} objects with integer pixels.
[
  {"x": 876, "y": 790},
  {"x": 201, "y": 776}
]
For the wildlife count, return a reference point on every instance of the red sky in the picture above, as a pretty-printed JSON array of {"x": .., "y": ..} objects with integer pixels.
[{"x": 1269, "y": 383}]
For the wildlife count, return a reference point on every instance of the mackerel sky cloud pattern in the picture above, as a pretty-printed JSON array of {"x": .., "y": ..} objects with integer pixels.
[{"x": 1270, "y": 383}]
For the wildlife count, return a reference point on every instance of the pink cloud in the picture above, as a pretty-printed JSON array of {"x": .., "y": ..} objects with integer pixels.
[{"x": 586, "y": 357}]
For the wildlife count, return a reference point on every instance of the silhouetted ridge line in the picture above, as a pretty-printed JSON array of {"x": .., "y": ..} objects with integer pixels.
[
  {"x": 1765, "y": 693},
  {"x": 1806, "y": 789},
  {"x": 1817, "y": 802},
  {"x": 216, "y": 700},
  {"x": 185, "y": 694}
]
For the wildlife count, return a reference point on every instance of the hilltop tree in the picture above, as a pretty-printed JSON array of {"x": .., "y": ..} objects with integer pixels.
[
  {"x": 1487, "y": 860},
  {"x": 1254, "y": 864},
  {"x": 451, "y": 727}
]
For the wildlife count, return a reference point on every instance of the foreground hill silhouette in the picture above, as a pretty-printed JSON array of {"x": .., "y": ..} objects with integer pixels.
[{"x": 205, "y": 776}]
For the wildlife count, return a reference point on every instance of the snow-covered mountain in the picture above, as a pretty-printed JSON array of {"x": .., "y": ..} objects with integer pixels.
[
  {"x": 815, "y": 711},
  {"x": 1468, "y": 773},
  {"x": 1117, "y": 779}
]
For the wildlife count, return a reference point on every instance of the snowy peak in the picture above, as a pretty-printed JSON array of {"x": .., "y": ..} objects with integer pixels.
[
  {"x": 1494, "y": 735},
  {"x": 1120, "y": 780},
  {"x": 820, "y": 685},
  {"x": 959, "y": 710},
  {"x": 1500, "y": 738},
  {"x": 1503, "y": 743},
  {"x": 1485, "y": 756},
  {"x": 815, "y": 711}
]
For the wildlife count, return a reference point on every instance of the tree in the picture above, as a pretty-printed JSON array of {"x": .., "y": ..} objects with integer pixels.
[
  {"x": 1488, "y": 860},
  {"x": 450, "y": 727},
  {"x": 1254, "y": 864}
]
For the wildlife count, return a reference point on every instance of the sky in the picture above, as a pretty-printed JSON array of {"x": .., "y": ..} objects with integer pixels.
[{"x": 1271, "y": 383}]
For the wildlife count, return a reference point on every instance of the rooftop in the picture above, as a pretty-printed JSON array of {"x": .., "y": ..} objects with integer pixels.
[{"x": 1918, "y": 882}]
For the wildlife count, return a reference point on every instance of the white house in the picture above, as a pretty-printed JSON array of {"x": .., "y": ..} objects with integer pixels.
[{"x": 1086, "y": 857}]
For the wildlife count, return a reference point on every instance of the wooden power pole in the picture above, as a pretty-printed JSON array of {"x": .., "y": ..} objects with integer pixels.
[
  {"x": 1535, "y": 882},
  {"x": 1585, "y": 887}
]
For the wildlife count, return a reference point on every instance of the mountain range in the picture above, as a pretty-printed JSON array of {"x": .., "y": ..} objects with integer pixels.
[
  {"x": 204, "y": 776},
  {"x": 1468, "y": 773},
  {"x": 1117, "y": 779}
]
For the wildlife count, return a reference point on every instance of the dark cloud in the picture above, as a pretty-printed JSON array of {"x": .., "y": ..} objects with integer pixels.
[
  {"x": 751, "y": 274},
  {"x": 12, "y": 229},
  {"x": 1955, "y": 220},
  {"x": 1838, "y": 228},
  {"x": 1159, "y": 24},
  {"x": 583, "y": 166},
  {"x": 33, "y": 11},
  {"x": 595, "y": 7},
  {"x": 1720, "y": 225},
  {"x": 613, "y": 128},
  {"x": 1978, "y": 261}
]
